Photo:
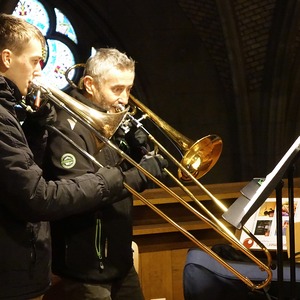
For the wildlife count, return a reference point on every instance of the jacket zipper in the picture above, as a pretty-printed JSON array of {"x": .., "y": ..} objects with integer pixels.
[
  {"x": 33, "y": 239},
  {"x": 98, "y": 244}
]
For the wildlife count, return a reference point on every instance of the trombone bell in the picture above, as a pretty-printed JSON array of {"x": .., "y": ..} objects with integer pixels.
[
  {"x": 201, "y": 157},
  {"x": 105, "y": 123}
]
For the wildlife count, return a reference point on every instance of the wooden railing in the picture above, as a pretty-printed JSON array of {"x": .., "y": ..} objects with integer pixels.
[
  {"x": 163, "y": 249},
  {"x": 148, "y": 225}
]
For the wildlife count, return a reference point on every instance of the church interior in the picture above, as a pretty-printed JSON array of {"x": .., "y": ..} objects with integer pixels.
[{"x": 205, "y": 67}]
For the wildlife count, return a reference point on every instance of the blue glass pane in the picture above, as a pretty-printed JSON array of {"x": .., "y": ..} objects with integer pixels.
[
  {"x": 33, "y": 12},
  {"x": 64, "y": 26},
  {"x": 60, "y": 59}
]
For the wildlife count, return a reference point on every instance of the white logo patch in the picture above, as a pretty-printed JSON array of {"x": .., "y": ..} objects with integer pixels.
[{"x": 68, "y": 161}]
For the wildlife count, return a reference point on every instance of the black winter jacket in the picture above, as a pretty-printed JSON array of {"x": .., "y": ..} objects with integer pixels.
[
  {"x": 93, "y": 247},
  {"x": 27, "y": 200}
]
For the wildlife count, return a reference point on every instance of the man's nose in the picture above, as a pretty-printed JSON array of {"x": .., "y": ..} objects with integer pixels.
[
  {"x": 123, "y": 100},
  {"x": 38, "y": 71},
  {"x": 124, "y": 96}
]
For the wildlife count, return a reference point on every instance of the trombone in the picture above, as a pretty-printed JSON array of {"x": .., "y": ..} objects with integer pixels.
[{"x": 198, "y": 158}]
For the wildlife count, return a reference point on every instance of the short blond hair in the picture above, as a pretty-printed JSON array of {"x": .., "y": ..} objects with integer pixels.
[{"x": 15, "y": 33}]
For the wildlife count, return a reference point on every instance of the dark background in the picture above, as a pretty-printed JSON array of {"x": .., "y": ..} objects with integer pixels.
[{"x": 207, "y": 67}]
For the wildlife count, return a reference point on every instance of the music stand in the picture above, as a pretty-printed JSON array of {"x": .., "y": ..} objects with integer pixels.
[
  {"x": 254, "y": 195},
  {"x": 258, "y": 190}
]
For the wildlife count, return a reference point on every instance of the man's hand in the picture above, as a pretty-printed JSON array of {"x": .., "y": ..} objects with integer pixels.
[{"x": 45, "y": 115}]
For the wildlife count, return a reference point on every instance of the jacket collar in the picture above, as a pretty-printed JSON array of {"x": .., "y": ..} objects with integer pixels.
[{"x": 9, "y": 94}]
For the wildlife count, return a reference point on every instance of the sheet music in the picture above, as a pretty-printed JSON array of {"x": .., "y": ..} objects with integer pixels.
[{"x": 263, "y": 224}]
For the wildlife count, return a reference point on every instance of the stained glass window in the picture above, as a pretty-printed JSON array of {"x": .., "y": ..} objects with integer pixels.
[{"x": 60, "y": 56}]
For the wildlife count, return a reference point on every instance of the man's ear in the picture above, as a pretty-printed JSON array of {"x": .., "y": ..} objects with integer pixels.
[
  {"x": 6, "y": 58},
  {"x": 88, "y": 83}
]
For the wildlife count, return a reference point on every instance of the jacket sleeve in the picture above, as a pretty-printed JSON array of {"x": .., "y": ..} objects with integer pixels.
[{"x": 27, "y": 195}]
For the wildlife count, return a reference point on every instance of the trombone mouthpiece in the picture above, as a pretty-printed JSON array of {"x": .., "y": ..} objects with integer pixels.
[
  {"x": 37, "y": 102},
  {"x": 119, "y": 108}
]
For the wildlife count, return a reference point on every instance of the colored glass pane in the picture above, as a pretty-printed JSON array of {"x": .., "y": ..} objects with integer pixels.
[
  {"x": 60, "y": 59},
  {"x": 64, "y": 26},
  {"x": 33, "y": 12}
]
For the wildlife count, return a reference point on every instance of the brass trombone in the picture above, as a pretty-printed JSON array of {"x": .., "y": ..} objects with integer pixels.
[{"x": 205, "y": 150}]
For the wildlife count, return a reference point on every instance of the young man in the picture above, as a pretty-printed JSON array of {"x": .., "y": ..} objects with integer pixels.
[
  {"x": 93, "y": 252},
  {"x": 27, "y": 200}
]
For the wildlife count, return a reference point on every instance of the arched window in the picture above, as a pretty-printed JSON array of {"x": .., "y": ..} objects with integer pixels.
[{"x": 60, "y": 37}]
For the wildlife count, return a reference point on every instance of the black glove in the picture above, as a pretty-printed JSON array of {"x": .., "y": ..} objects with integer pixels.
[
  {"x": 154, "y": 164},
  {"x": 140, "y": 138},
  {"x": 134, "y": 144},
  {"x": 45, "y": 115}
]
